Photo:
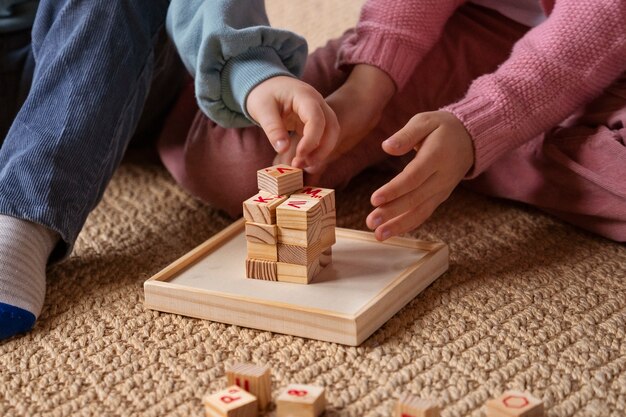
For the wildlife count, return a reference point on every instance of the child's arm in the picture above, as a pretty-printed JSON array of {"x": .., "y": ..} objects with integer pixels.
[
  {"x": 246, "y": 71},
  {"x": 553, "y": 70},
  {"x": 389, "y": 41}
]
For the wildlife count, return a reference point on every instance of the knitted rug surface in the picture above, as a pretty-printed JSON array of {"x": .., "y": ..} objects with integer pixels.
[{"x": 528, "y": 303}]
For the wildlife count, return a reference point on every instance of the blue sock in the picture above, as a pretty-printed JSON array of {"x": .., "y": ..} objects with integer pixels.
[
  {"x": 14, "y": 320},
  {"x": 24, "y": 251}
]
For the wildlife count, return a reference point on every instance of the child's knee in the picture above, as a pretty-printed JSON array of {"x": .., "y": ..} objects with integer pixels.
[{"x": 217, "y": 165}]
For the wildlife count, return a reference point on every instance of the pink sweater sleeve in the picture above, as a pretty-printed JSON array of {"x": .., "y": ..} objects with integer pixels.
[
  {"x": 553, "y": 70},
  {"x": 395, "y": 35}
]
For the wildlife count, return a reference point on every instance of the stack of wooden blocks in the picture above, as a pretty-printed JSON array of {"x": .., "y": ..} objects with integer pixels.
[{"x": 290, "y": 228}]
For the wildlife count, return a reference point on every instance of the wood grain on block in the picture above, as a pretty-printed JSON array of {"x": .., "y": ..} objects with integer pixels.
[
  {"x": 299, "y": 255},
  {"x": 325, "y": 195},
  {"x": 412, "y": 406},
  {"x": 327, "y": 229},
  {"x": 261, "y": 269},
  {"x": 263, "y": 251},
  {"x": 299, "y": 237},
  {"x": 280, "y": 179},
  {"x": 299, "y": 274},
  {"x": 261, "y": 207},
  {"x": 299, "y": 213},
  {"x": 255, "y": 379},
  {"x": 515, "y": 404},
  {"x": 262, "y": 233},
  {"x": 301, "y": 401},
  {"x": 326, "y": 258},
  {"x": 231, "y": 402}
]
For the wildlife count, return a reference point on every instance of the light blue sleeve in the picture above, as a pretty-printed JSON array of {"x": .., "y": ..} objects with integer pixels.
[{"x": 229, "y": 48}]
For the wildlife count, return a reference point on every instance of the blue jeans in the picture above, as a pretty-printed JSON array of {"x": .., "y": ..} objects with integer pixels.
[{"x": 94, "y": 65}]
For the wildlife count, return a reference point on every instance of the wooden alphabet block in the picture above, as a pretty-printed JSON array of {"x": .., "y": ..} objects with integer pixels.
[
  {"x": 299, "y": 274},
  {"x": 299, "y": 213},
  {"x": 262, "y": 233},
  {"x": 299, "y": 237},
  {"x": 231, "y": 402},
  {"x": 299, "y": 255},
  {"x": 412, "y": 406},
  {"x": 261, "y": 207},
  {"x": 280, "y": 179},
  {"x": 262, "y": 251},
  {"x": 257, "y": 380},
  {"x": 325, "y": 195},
  {"x": 515, "y": 404},
  {"x": 261, "y": 269},
  {"x": 301, "y": 401}
]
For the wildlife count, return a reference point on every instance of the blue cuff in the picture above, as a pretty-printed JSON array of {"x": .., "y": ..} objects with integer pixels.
[{"x": 245, "y": 71}]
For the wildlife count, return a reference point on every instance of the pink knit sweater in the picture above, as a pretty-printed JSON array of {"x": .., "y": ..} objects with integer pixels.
[{"x": 553, "y": 70}]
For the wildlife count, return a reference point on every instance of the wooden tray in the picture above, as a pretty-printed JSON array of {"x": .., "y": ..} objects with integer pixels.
[{"x": 366, "y": 284}]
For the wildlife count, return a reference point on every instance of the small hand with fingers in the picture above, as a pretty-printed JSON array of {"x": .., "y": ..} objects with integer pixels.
[
  {"x": 444, "y": 154},
  {"x": 287, "y": 108}
]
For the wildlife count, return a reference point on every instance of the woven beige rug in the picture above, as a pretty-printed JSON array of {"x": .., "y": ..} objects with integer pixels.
[{"x": 528, "y": 303}]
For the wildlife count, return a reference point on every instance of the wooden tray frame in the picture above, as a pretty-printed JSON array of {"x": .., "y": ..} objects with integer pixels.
[{"x": 293, "y": 319}]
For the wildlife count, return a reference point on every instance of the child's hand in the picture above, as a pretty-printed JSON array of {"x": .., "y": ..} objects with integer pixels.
[
  {"x": 285, "y": 104},
  {"x": 444, "y": 155}
]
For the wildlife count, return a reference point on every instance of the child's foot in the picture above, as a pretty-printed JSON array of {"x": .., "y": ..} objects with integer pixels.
[{"x": 24, "y": 251}]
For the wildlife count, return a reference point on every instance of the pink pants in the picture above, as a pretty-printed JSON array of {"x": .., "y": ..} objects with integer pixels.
[{"x": 576, "y": 171}]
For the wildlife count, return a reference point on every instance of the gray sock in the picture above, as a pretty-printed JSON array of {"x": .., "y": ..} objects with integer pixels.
[{"x": 24, "y": 251}]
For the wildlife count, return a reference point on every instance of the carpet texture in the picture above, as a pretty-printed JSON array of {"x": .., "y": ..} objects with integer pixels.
[{"x": 528, "y": 303}]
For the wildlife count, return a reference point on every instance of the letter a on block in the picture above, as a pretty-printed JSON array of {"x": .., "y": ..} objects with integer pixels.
[
  {"x": 514, "y": 404},
  {"x": 299, "y": 213},
  {"x": 325, "y": 195},
  {"x": 280, "y": 179},
  {"x": 233, "y": 401}
]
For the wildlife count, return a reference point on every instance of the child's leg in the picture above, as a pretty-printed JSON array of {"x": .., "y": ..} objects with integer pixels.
[
  {"x": 576, "y": 172},
  {"x": 94, "y": 62},
  {"x": 219, "y": 165}
]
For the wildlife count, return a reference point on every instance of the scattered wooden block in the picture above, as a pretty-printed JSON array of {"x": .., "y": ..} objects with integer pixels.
[
  {"x": 261, "y": 207},
  {"x": 326, "y": 258},
  {"x": 515, "y": 404},
  {"x": 261, "y": 269},
  {"x": 299, "y": 274},
  {"x": 327, "y": 229},
  {"x": 231, "y": 402},
  {"x": 299, "y": 255},
  {"x": 261, "y": 233},
  {"x": 299, "y": 213},
  {"x": 257, "y": 380},
  {"x": 325, "y": 195},
  {"x": 301, "y": 401},
  {"x": 412, "y": 406},
  {"x": 280, "y": 179},
  {"x": 262, "y": 251}
]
